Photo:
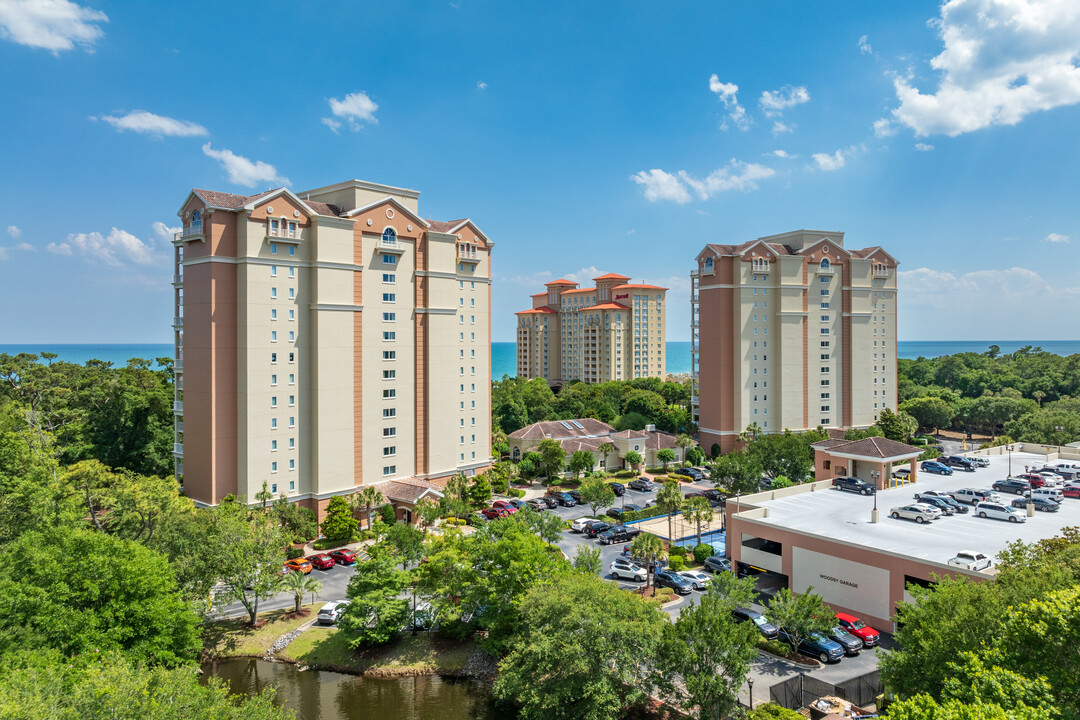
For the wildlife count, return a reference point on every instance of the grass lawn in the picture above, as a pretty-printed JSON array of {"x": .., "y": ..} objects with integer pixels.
[
  {"x": 419, "y": 654},
  {"x": 235, "y": 638}
]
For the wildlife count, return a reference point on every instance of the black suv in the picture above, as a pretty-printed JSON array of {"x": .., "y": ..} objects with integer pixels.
[
  {"x": 618, "y": 488},
  {"x": 958, "y": 461},
  {"x": 766, "y": 628},
  {"x": 564, "y": 499},
  {"x": 618, "y": 512},
  {"x": 945, "y": 506},
  {"x": 675, "y": 581},
  {"x": 716, "y": 496},
  {"x": 595, "y": 528},
  {"x": 692, "y": 473},
  {"x": 1016, "y": 486},
  {"x": 576, "y": 495},
  {"x": 618, "y": 534},
  {"x": 853, "y": 485}
]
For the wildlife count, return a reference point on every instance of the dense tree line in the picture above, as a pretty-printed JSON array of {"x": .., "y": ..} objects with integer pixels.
[
  {"x": 628, "y": 405},
  {"x": 1029, "y": 395}
]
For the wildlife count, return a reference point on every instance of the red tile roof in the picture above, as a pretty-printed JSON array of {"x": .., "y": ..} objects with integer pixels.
[
  {"x": 607, "y": 306},
  {"x": 538, "y": 294},
  {"x": 640, "y": 287},
  {"x": 577, "y": 290},
  {"x": 560, "y": 282},
  {"x": 871, "y": 447},
  {"x": 229, "y": 201},
  {"x": 543, "y": 310},
  {"x": 612, "y": 276},
  {"x": 407, "y": 491},
  {"x": 444, "y": 226}
]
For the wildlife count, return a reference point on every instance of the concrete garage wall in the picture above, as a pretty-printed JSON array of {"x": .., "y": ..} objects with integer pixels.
[
  {"x": 841, "y": 582},
  {"x": 762, "y": 559}
]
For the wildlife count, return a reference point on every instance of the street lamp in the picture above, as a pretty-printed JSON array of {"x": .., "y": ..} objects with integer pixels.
[
  {"x": 874, "y": 475},
  {"x": 1010, "y": 449},
  {"x": 750, "y": 683},
  {"x": 1057, "y": 436}
]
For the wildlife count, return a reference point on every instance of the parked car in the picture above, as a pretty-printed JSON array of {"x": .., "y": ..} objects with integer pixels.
[
  {"x": 343, "y": 557},
  {"x": 1035, "y": 480},
  {"x": 851, "y": 644},
  {"x": 579, "y": 524},
  {"x": 549, "y": 501},
  {"x": 931, "y": 493},
  {"x": 625, "y": 569},
  {"x": 537, "y": 504},
  {"x": 298, "y": 565},
  {"x": 618, "y": 488},
  {"x": 853, "y": 485},
  {"x": 766, "y": 628},
  {"x": 696, "y": 493},
  {"x": 717, "y": 563},
  {"x": 321, "y": 561},
  {"x": 618, "y": 512},
  {"x": 944, "y": 497},
  {"x": 917, "y": 512},
  {"x": 642, "y": 484},
  {"x": 618, "y": 534},
  {"x": 933, "y": 466},
  {"x": 1046, "y": 493},
  {"x": 1039, "y": 503},
  {"x": 1071, "y": 491},
  {"x": 493, "y": 513},
  {"x": 698, "y": 579},
  {"x": 519, "y": 504},
  {"x": 958, "y": 461},
  {"x": 1016, "y": 486},
  {"x": 971, "y": 560},
  {"x": 975, "y": 496},
  {"x": 595, "y": 528},
  {"x": 692, "y": 473},
  {"x": 716, "y": 496},
  {"x": 675, "y": 581},
  {"x": 980, "y": 461},
  {"x": 564, "y": 499},
  {"x": 504, "y": 505},
  {"x": 331, "y": 612},
  {"x": 818, "y": 646},
  {"x": 576, "y": 495},
  {"x": 902, "y": 473},
  {"x": 946, "y": 507},
  {"x": 997, "y": 511},
  {"x": 476, "y": 518},
  {"x": 859, "y": 629},
  {"x": 1052, "y": 478}
]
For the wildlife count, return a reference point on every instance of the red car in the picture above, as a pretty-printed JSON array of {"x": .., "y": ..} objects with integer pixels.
[
  {"x": 1072, "y": 491},
  {"x": 504, "y": 505},
  {"x": 494, "y": 512},
  {"x": 344, "y": 557},
  {"x": 855, "y": 626},
  {"x": 321, "y": 561},
  {"x": 1036, "y": 481}
]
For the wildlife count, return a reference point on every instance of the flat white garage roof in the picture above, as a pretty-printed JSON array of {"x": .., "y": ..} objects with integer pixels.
[{"x": 844, "y": 517}]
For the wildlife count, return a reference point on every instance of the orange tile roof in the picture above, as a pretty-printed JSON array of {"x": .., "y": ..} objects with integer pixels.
[
  {"x": 607, "y": 306},
  {"x": 544, "y": 310},
  {"x": 640, "y": 287},
  {"x": 612, "y": 276},
  {"x": 538, "y": 294},
  {"x": 560, "y": 282},
  {"x": 577, "y": 290},
  {"x": 444, "y": 226}
]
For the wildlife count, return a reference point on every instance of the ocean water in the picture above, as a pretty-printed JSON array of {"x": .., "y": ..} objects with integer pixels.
[{"x": 504, "y": 360}]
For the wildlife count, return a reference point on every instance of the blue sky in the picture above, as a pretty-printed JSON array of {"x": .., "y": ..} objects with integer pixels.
[{"x": 582, "y": 137}]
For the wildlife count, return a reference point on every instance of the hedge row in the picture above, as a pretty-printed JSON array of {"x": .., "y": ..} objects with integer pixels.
[{"x": 650, "y": 512}]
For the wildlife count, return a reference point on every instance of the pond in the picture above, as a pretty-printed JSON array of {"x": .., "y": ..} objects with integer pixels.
[{"x": 323, "y": 695}]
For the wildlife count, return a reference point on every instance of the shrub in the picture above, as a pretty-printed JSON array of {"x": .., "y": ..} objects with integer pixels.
[
  {"x": 339, "y": 524},
  {"x": 678, "y": 550},
  {"x": 328, "y": 544},
  {"x": 703, "y": 551},
  {"x": 771, "y": 711},
  {"x": 676, "y": 563},
  {"x": 515, "y": 492},
  {"x": 293, "y": 553},
  {"x": 656, "y": 469},
  {"x": 714, "y": 451},
  {"x": 776, "y": 647},
  {"x": 499, "y": 485},
  {"x": 624, "y": 474},
  {"x": 456, "y": 629},
  {"x": 388, "y": 514},
  {"x": 642, "y": 514}
]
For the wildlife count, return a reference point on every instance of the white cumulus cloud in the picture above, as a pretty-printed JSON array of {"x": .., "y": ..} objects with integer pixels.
[
  {"x": 775, "y": 102},
  {"x": 243, "y": 171},
  {"x": 59, "y": 248},
  {"x": 660, "y": 185},
  {"x": 1002, "y": 60},
  {"x": 828, "y": 162},
  {"x": 141, "y": 121},
  {"x": 883, "y": 127},
  {"x": 14, "y": 231},
  {"x": 50, "y": 24},
  {"x": 353, "y": 109},
  {"x": 481, "y": 85},
  {"x": 782, "y": 154},
  {"x": 1056, "y": 238},
  {"x": 923, "y": 147},
  {"x": 728, "y": 94},
  {"x": 116, "y": 248},
  {"x": 864, "y": 45},
  {"x": 778, "y": 128},
  {"x": 26, "y": 246}
]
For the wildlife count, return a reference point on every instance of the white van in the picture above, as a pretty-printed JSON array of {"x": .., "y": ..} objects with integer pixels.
[
  {"x": 997, "y": 511},
  {"x": 1048, "y": 493}
]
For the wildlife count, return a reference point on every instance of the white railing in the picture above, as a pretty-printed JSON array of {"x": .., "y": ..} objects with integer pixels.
[
  {"x": 178, "y": 449},
  {"x": 177, "y": 279},
  {"x": 192, "y": 229},
  {"x": 178, "y": 407},
  {"x": 881, "y": 272},
  {"x": 467, "y": 254},
  {"x": 760, "y": 266},
  {"x": 178, "y": 322}
]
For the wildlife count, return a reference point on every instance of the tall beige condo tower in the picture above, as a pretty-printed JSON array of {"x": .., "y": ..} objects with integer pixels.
[
  {"x": 614, "y": 331},
  {"x": 791, "y": 331},
  {"x": 328, "y": 339}
]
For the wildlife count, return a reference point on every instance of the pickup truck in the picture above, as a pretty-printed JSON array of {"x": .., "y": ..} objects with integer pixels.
[
  {"x": 853, "y": 485},
  {"x": 971, "y": 560}
]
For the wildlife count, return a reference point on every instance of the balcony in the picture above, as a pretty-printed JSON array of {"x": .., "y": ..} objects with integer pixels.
[
  {"x": 694, "y": 399},
  {"x": 881, "y": 272},
  {"x": 760, "y": 266},
  {"x": 465, "y": 254},
  {"x": 826, "y": 270},
  {"x": 178, "y": 322},
  {"x": 178, "y": 407},
  {"x": 178, "y": 449},
  {"x": 390, "y": 245},
  {"x": 193, "y": 231},
  {"x": 177, "y": 279}
]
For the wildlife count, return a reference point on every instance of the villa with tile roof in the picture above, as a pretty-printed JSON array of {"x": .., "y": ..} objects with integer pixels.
[
  {"x": 613, "y": 331},
  {"x": 589, "y": 434}
]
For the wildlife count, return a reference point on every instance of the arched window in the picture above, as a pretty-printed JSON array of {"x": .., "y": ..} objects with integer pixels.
[
  {"x": 389, "y": 237},
  {"x": 517, "y": 453},
  {"x": 824, "y": 263},
  {"x": 708, "y": 263}
]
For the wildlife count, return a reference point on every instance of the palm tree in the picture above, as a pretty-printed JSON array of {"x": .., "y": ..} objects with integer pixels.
[
  {"x": 751, "y": 432},
  {"x": 683, "y": 442},
  {"x": 264, "y": 496},
  {"x": 697, "y": 511},
  {"x": 669, "y": 498},
  {"x": 606, "y": 448},
  {"x": 650, "y": 548},
  {"x": 1038, "y": 395},
  {"x": 367, "y": 498},
  {"x": 298, "y": 584}
]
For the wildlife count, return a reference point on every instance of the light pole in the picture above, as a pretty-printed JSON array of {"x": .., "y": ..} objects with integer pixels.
[
  {"x": 874, "y": 475},
  {"x": 1010, "y": 449},
  {"x": 750, "y": 684},
  {"x": 1057, "y": 436}
]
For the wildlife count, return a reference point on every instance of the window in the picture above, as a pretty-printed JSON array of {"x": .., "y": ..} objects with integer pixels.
[
  {"x": 389, "y": 412},
  {"x": 389, "y": 469},
  {"x": 823, "y": 279},
  {"x": 273, "y": 248},
  {"x": 292, "y": 293},
  {"x": 824, "y": 306},
  {"x": 292, "y": 357},
  {"x": 824, "y": 343},
  {"x": 273, "y": 358},
  {"x": 273, "y": 423},
  {"x": 389, "y": 354},
  {"x": 389, "y": 316},
  {"x": 273, "y": 445},
  {"x": 292, "y": 379},
  {"x": 824, "y": 383},
  {"x": 389, "y": 432},
  {"x": 389, "y": 451},
  {"x": 273, "y": 401},
  {"x": 292, "y": 335},
  {"x": 389, "y": 297},
  {"x": 273, "y": 271},
  {"x": 389, "y": 278},
  {"x": 824, "y": 396},
  {"x": 273, "y": 467},
  {"x": 292, "y": 400},
  {"x": 824, "y": 357},
  {"x": 292, "y": 443},
  {"x": 273, "y": 313},
  {"x": 273, "y": 336},
  {"x": 824, "y": 318},
  {"x": 824, "y": 408},
  {"x": 389, "y": 335},
  {"x": 389, "y": 259},
  {"x": 389, "y": 374},
  {"x": 273, "y": 293},
  {"x": 292, "y": 485},
  {"x": 273, "y": 379},
  {"x": 389, "y": 393},
  {"x": 824, "y": 331},
  {"x": 292, "y": 421},
  {"x": 292, "y": 464},
  {"x": 292, "y": 249},
  {"x": 389, "y": 237},
  {"x": 824, "y": 421},
  {"x": 824, "y": 263}
]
